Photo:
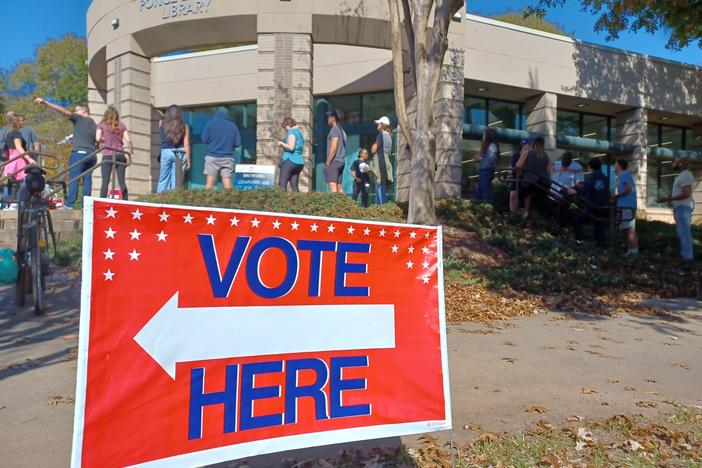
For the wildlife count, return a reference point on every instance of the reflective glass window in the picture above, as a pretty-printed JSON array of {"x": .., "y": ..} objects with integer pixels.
[
  {"x": 350, "y": 106},
  {"x": 568, "y": 123},
  {"x": 504, "y": 115},
  {"x": 595, "y": 127},
  {"x": 671, "y": 138},
  {"x": 476, "y": 111},
  {"x": 376, "y": 105},
  {"x": 653, "y": 139},
  {"x": 659, "y": 181}
]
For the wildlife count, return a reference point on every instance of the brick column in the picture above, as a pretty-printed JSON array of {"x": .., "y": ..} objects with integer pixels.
[
  {"x": 448, "y": 125},
  {"x": 542, "y": 120},
  {"x": 284, "y": 89},
  {"x": 129, "y": 89},
  {"x": 632, "y": 129}
]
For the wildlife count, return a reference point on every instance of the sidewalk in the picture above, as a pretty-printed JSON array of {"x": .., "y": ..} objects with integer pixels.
[{"x": 586, "y": 366}]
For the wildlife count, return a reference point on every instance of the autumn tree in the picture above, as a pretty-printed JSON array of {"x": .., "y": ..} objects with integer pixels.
[
  {"x": 682, "y": 19},
  {"x": 425, "y": 24},
  {"x": 529, "y": 21}
]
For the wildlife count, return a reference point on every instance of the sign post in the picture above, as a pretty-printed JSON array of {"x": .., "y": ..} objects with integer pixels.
[{"x": 209, "y": 335}]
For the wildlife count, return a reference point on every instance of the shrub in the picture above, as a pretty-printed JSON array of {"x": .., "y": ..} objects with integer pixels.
[
  {"x": 69, "y": 251},
  {"x": 313, "y": 204}
]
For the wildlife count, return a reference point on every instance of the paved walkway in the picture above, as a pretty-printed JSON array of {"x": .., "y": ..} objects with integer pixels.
[{"x": 584, "y": 366}]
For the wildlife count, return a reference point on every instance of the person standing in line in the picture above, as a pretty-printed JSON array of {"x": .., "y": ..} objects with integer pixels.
[
  {"x": 293, "y": 161},
  {"x": 683, "y": 205},
  {"x": 336, "y": 153},
  {"x": 594, "y": 189},
  {"x": 524, "y": 149},
  {"x": 175, "y": 138},
  {"x": 360, "y": 170},
  {"x": 84, "y": 132},
  {"x": 222, "y": 138},
  {"x": 113, "y": 135},
  {"x": 626, "y": 205},
  {"x": 536, "y": 169},
  {"x": 30, "y": 136},
  {"x": 16, "y": 146},
  {"x": 487, "y": 162},
  {"x": 567, "y": 174},
  {"x": 380, "y": 164}
]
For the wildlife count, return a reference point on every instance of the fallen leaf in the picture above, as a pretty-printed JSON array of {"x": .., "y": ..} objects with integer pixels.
[
  {"x": 632, "y": 445},
  {"x": 585, "y": 435},
  {"x": 487, "y": 437},
  {"x": 473, "y": 427},
  {"x": 537, "y": 409},
  {"x": 681, "y": 365},
  {"x": 654, "y": 392},
  {"x": 550, "y": 461},
  {"x": 589, "y": 391},
  {"x": 509, "y": 359},
  {"x": 508, "y": 343},
  {"x": 574, "y": 418},
  {"x": 630, "y": 389},
  {"x": 612, "y": 381},
  {"x": 580, "y": 445},
  {"x": 646, "y": 404}
]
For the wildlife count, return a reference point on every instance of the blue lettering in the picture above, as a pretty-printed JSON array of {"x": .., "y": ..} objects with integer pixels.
[
  {"x": 222, "y": 284},
  {"x": 343, "y": 268},
  {"x": 200, "y": 399},
  {"x": 249, "y": 394},
  {"x": 293, "y": 392},
  {"x": 253, "y": 267},
  {"x": 316, "y": 248},
  {"x": 337, "y": 385}
]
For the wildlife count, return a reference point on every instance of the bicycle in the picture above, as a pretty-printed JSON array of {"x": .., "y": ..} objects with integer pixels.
[{"x": 34, "y": 230}]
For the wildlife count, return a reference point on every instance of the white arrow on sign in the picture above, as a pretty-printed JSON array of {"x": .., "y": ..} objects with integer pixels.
[{"x": 203, "y": 333}]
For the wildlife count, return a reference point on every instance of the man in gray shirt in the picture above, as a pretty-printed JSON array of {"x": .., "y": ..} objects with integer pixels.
[{"x": 336, "y": 153}]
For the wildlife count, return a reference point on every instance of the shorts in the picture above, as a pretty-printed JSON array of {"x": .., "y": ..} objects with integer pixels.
[
  {"x": 334, "y": 172},
  {"x": 629, "y": 215},
  {"x": 216, "y": 165}
]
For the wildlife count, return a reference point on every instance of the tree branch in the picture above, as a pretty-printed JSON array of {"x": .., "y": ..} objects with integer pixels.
[{"x": 398, "y": 70}]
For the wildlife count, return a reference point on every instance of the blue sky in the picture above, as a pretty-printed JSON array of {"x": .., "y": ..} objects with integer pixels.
[{"x": 47, "y": 19}]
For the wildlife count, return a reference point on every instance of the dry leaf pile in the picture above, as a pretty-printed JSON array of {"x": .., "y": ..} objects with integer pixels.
[{"x": 477, "y": 303}]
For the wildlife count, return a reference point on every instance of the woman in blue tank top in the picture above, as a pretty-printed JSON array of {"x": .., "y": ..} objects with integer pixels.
[
  {"x": 293, "y": 161},
  {"x": 175, "y": 138}
]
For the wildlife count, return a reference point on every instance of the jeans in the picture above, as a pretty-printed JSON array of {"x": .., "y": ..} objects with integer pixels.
[
  {"x": 75, "y": 171},
  {"x": 362, "y": 188},
  {"x": 167, "y": 174},
  {"x": 106, "y": 171},
  {"x": 381, "y": 194},
  {"x": 484, "y": 192},
  {"x": 290, "y": 172},
  {"x": 683, "y": 220}
]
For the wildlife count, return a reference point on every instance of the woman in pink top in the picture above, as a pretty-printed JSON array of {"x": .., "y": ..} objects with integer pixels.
[
  {"x": 16, "y": 146},
  {"x": 112, "y": 135}
]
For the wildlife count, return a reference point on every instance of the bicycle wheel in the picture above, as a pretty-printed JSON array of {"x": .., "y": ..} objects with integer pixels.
[{"x": 37, "y": 273}]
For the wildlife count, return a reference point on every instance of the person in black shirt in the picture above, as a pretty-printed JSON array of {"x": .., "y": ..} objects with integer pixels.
[
  {"x": 17, "y": 156},
  {"x": 360, "y": 170},
  {"x": 595, "y": 191}
]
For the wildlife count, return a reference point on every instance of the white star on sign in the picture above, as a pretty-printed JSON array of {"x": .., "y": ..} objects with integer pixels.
[
  {"x": 397, "y": 233},
  {"x": 366, "y": 231},
  {"x": 234, "y": 221},
  {"x": 295, "y": 225},
  {"x": 394, "y": 249},
  {"x": 425, "y": 265},
  {"x": 162, "y": 236},
  {"x": 425, "y": 250},
  {"x": 382, "y": 233},
  {"x": 137, "y": 214},
  {"x": 330, "y": 228},
  {"x": 350, "y": 230},
  {"x": 109, "y": 254},
  {"x": 314, "y": 227},
  {"x": 410, "y": 264},
  {"x": 425, "y": 279},
  {"x": 426, "y": 236},
  {"x": 188, "y": 219},
  {"x": 413, "y": 235},
  {"x": 111, "y": 213},
  {"x": 255, "y": 222},
  {"x": 134, "y": 255},
  {"x": 135, "y": 234},
  {"x": 411, "y": 250},
  {"x": 164, "y": 217},
  {"x": 110, "y": 233},
  {"x": 276, "y": 224},
  {"x": 109, "y": 275},
  {"x": 211, "y": 220}
]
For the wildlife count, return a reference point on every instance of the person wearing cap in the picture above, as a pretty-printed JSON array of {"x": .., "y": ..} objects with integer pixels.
[
  {"x": 487, "y": 162},
  {"x": 336, "y": 152},
  {"x": 683, "y": 204},
  {"x": 380, "y": 164}
]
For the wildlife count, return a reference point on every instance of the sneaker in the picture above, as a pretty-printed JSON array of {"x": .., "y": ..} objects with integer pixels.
[{"x": 64, "y": 207}]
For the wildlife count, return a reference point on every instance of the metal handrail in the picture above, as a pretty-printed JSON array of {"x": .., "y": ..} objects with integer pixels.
[{"x": 5, "y": 177}]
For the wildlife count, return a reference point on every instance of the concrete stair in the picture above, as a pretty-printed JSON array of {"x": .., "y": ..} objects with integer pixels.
[{"x": 66, "y": 223}]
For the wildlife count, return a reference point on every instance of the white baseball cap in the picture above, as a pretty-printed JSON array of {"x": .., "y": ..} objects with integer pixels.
[{"x": 383, "y": 120}]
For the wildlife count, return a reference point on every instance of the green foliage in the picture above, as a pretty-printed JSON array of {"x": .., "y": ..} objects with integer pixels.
[
  {"x": 69, "y": 251},
  {"x": 60, "y": 70},
  {"x": 532, "y": 21},
  {"x": 681, "y": 18},
  {"x": 314, "y": 204}
]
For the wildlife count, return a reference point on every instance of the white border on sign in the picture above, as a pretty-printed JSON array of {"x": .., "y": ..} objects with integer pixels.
[
  {"x": 83, "y": 333},
  {"x": 261, "y": 447}
]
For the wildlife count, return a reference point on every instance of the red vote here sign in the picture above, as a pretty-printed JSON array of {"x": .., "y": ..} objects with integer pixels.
[{"x": 209, "y": 335}]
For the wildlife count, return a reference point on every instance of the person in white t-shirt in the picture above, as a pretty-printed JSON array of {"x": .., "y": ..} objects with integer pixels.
[
  {"x": 683, "y": 204},
  {"x": 567, "y": 175}
]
